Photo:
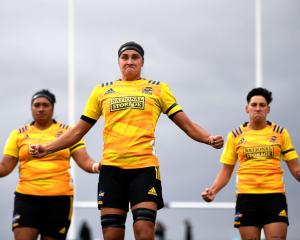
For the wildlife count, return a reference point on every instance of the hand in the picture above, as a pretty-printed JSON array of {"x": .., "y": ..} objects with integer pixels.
[
  {"x": 208, "y": 195},
  {"x": 216, "y": 141},
  {"x": 37, "y": 150}
]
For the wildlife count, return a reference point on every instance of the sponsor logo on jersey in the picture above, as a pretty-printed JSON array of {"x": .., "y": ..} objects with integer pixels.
[
  {"x": 130, "y": 102},
  {"x": 259, "y": 152}
]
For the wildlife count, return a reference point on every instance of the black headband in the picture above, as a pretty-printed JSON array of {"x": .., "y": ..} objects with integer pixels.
[
  {"x": 35, "y": 96},
  {"x": 131, "y": 46}
]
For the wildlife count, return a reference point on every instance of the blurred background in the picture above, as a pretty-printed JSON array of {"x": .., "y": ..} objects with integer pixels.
[{"x": 205, "y": 50}]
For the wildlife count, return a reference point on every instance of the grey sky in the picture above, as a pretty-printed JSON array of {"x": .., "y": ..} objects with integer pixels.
[{"x": 203, "y": 49}]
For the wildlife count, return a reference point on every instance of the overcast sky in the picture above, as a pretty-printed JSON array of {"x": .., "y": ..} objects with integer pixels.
[{"x": 204, "y": 50}]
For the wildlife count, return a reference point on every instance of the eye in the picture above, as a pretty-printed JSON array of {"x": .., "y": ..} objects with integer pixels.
[
  {"x": 136, "y": 57},
  {"x": 124, "y": 57}
]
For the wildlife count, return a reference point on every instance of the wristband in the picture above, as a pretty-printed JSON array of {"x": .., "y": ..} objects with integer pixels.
[{"x": 95, "y": 167}]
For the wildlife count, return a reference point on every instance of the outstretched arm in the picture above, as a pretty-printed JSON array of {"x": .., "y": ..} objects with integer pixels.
[
  {"x": 85, "y": 162},
  {"x": 66, "y": 140},
  {"x": 7, "y": 164},
  {"x": 294, "y": 167},
  {"x": 221, "y": 180},
  {"x": 196, "y": 132}
]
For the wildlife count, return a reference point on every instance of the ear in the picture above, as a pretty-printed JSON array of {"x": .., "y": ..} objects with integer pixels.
[
  {"x": 269, "y": 109},
  {"x": 246, "y": 109}
]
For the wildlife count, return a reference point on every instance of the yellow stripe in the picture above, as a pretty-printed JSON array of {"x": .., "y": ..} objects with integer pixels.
[{"x": 71, "y": 208}]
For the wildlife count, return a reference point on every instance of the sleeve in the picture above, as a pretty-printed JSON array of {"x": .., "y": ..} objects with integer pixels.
[
  {"x": 287, "y": 149},
  {"x": 168, "y": 101},
  {"x": 229, "y": 155},
  {"x": 77, "y": 146},
  {"x": 11, "y": 147},
  {"x": 93, "y": 107}
]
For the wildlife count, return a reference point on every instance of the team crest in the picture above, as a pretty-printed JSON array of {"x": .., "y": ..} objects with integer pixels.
[
  {"x": 148, "y": 90},
  {"x": 58, "y": 133},
  {"x": 273, "y": 139}
]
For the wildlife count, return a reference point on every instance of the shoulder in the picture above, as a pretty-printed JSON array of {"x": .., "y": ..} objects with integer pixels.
[
  {"x": 61, "y": 125},
  {"x": 236, "y": 132},
  {"x": 276, "y": 128},
  {"x": 104, "y": 85},
  {"x": 154, "y": 82},
  {"x": 23, "y": 129}
]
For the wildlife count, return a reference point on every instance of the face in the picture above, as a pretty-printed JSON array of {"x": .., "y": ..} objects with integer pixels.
[
  {"x": 42, "y": 109},
  {"x": 131, "y": 63},
  {"x": 258, "y": 108}
]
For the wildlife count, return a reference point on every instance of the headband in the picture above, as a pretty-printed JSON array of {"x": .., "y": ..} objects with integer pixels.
[
  {"x": 131, "y": 46},
  {"x": 35, "y": 96}
]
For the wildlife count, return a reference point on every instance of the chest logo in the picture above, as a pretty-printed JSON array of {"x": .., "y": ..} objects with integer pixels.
[
  {"x": 129, "y": 102},
  {"x": 259, "y": 152}
]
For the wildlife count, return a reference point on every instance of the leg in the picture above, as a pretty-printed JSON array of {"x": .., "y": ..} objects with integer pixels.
[
  {"x": 25, "y": 233},
  {"x": 144, "y": 215},
  {"x": 249, "y": 233},
  {"x": 113, "y": 223},
  {"x": 276, "y": 231},
  {"x": 47, "y": 238}
]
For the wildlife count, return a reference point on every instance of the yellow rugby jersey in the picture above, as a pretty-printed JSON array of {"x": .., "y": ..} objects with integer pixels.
[
  {"x": 259, "y": 153},
  {"x": 47, "y": 176},
  {"x": 130, "y": 110}
]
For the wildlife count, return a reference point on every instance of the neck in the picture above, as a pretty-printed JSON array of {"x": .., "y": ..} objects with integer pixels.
[
  {"x": 43, "y": 124},
  {"x": 130, "y": 78},
  {"x": 257, "y": 125}
]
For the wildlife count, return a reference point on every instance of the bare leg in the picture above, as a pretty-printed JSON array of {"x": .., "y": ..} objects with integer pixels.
[
  {"x": 276, "y": 231},
  {"x": 25, "y": 233},
  {"x": 250, "y": 233},
  {"x": 144, "y": 230}
]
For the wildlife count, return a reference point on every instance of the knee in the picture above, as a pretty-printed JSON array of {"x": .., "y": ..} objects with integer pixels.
[
  {"x": 113, "y": 220},
  {"x": 144, "y": 214},
  {"x": 144, "y": 220}
]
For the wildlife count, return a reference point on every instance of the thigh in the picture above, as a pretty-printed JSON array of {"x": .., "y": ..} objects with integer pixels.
[
  {"x": 276, "y": 230},
  {"x": 25, "y": 233},
  {"x": 250, "y": 232},
  {"x": 275, "y": 208},
  {"x": 247, "y": 211},
  {"x": 145, "y": 186},
  {"x": 25, "y": 213},
  {"x": 112, "y": 188},
  {"x": 56, "y": 214}
]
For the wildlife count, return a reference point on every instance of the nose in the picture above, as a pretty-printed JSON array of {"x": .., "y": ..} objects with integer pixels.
[{"x": 257, "y": 108}]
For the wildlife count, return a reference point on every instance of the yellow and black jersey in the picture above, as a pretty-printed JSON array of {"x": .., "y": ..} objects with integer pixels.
[
  {"x": 47, "y": 176},
  {"x": 130, "y": 110},
  {"x": 258, "y": 153}
]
